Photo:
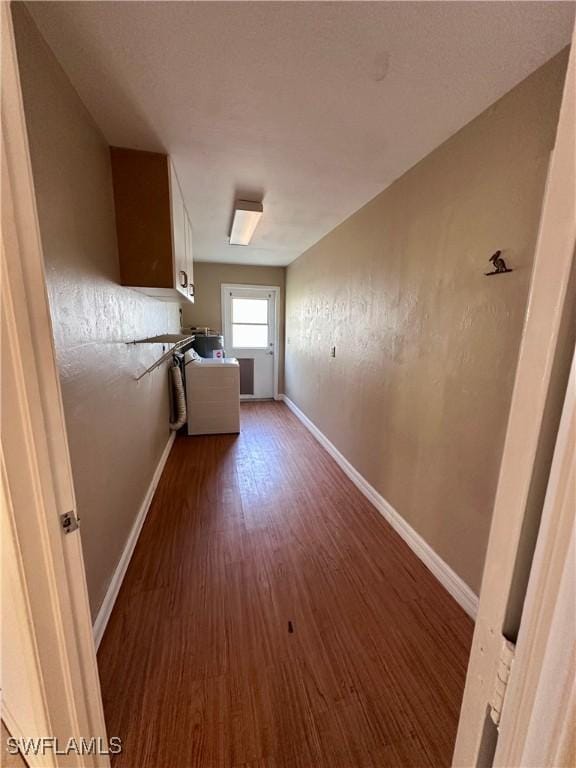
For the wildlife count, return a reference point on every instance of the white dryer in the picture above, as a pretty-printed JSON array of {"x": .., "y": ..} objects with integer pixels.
[{"x": 212, "y": 394}]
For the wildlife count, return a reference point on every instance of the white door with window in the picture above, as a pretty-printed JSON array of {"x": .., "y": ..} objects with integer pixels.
[{"x": 250, "y": 328}]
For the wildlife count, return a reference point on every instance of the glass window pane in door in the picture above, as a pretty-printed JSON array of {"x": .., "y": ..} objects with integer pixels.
[
  {"x": 249, "y": 336},
  {"x": 250, "y": 311}
]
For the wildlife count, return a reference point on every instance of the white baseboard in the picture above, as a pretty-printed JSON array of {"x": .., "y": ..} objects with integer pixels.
[
  {"x": 118, "y": 577},
  {"x": 459, "y": 590}
]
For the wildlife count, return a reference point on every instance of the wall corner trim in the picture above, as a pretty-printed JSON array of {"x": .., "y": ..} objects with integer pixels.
[
  {"x": 105, "y": 611},
  {"x": 453, "y": 584}
]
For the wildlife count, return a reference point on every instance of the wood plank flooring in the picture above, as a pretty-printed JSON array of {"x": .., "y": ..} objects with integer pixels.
[{"x": 270, "y": 618}]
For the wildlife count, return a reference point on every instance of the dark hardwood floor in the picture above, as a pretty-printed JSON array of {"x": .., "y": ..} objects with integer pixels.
[{"x": 270, "y": 618}]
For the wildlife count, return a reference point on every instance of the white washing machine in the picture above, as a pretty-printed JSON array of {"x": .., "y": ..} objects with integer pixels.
[{"x": 212, "y": 394}]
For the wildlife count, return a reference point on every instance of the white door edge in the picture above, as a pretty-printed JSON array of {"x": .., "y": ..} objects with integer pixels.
[
  {"x": 37, "y": 475},
  {"x": 530, "y": 429}
]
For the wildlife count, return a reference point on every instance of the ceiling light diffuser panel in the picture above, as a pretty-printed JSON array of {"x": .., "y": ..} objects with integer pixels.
[{"x": 246, "y": 217}]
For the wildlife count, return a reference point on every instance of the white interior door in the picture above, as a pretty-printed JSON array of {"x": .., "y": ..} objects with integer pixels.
[
  {"x": 502, "y": 722},
  {"x": 50, "y": 685},
  {"x": 250, "y": 324}
]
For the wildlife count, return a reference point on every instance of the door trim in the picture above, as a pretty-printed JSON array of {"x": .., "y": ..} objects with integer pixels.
[
  {"x": 37, "y": 474},
  {"x": 540, "y": 383},
  {"x": 224, "y": 287},
  {"x": 540, "y": 705}
]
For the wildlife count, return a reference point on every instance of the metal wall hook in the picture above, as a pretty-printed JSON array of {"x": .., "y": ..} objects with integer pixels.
[{"x": 500, "y": 267}]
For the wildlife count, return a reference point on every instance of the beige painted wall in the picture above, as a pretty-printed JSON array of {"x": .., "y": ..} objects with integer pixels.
[
  {"x": 208, "y": 277},
  {"x": 117, "y": 428},
  {"x": 418, "y": 394}
]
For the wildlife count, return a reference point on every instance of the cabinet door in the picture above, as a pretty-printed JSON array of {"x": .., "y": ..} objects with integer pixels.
[
  {"x": 142, "y": 185},
  {"x": 189, "y": 257},
  {"x": 179, "y": 235}
]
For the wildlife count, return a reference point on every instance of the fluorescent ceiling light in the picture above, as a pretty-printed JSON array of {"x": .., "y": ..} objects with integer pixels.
[{"x": 246, "y": 217}]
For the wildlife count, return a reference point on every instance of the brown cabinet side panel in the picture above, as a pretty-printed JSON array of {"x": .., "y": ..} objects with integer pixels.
[{"x": 143, "y": 226}]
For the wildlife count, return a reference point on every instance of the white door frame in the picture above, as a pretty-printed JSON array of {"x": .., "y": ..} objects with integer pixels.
[
  {"x": 275, "y": 289},
  {"x": 59, "y": 657},
  {"x": 539, "y": 714},
  {"x": 531, "y": 435}
]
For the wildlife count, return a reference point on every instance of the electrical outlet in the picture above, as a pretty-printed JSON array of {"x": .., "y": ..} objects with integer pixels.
[{"x": 332, "y": 351}]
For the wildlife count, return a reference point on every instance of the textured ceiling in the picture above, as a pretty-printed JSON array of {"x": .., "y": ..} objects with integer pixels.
[{"x": 313, "y": 106}]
